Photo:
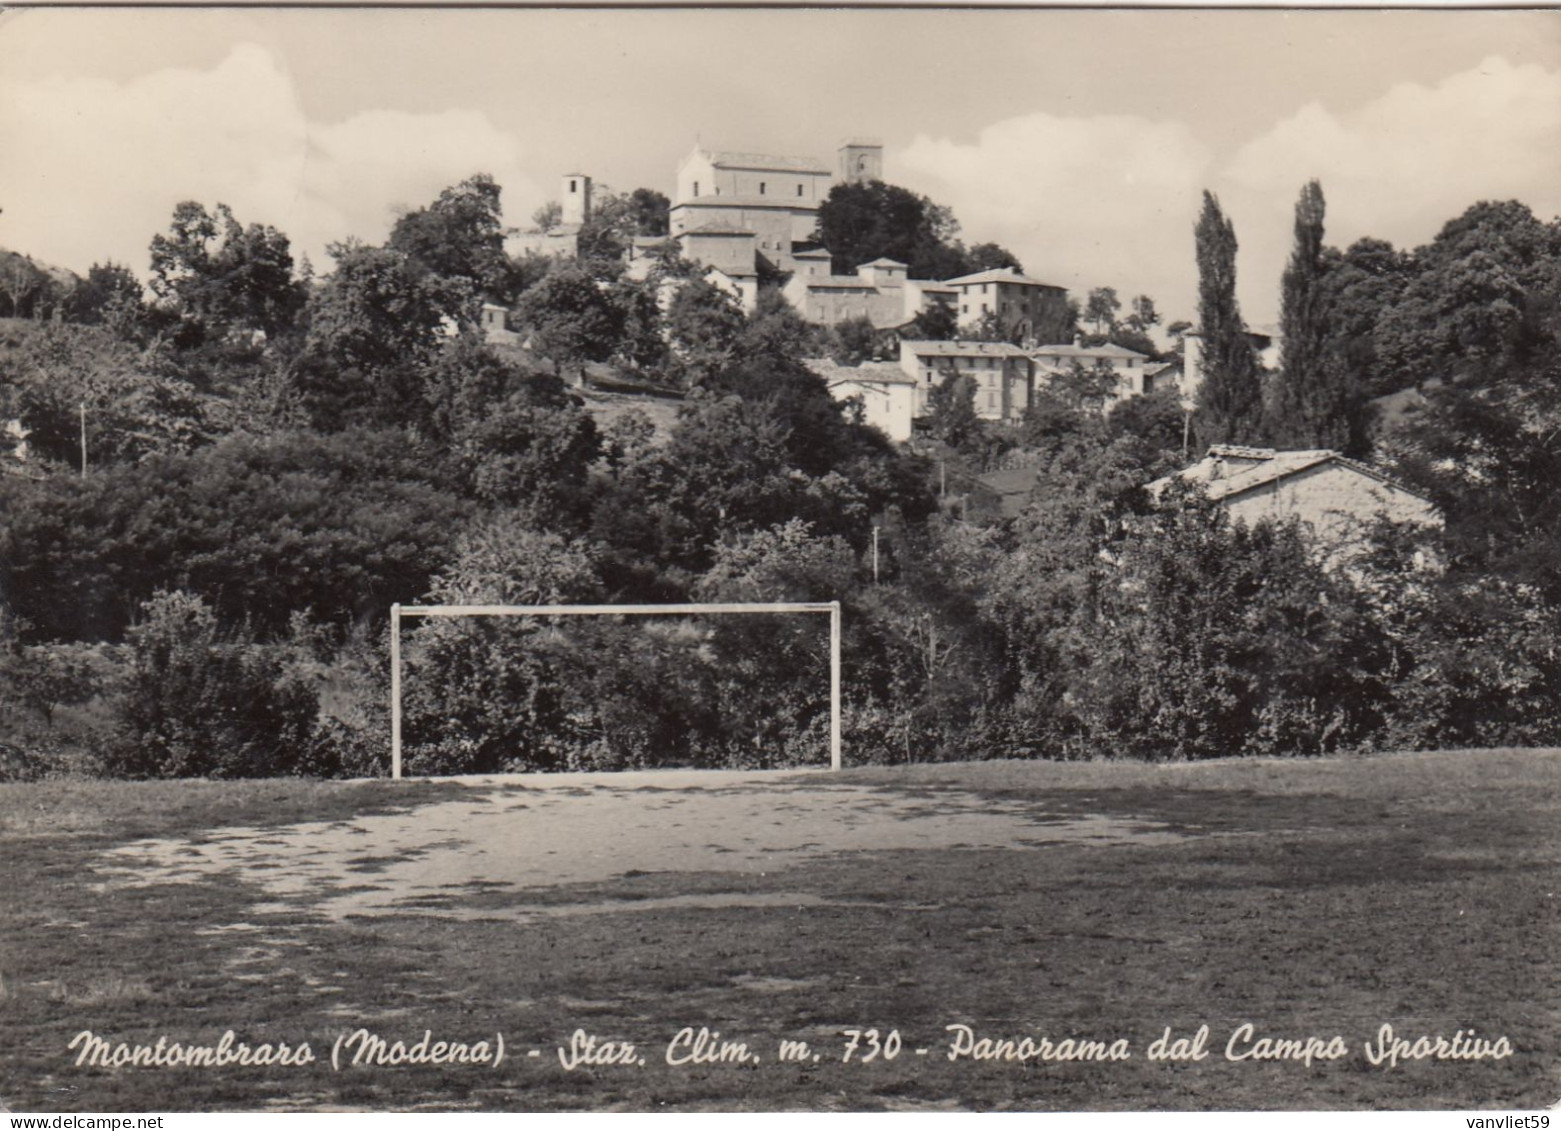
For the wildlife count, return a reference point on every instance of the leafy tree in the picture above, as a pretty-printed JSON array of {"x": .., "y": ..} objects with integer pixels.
[
  {"x": 218, "y": 275},
  {"x": 649, "y": 212},
  {"x": 704, "y": 331},
  {"x": 461, "y": 236},
  {"x": 1359, "y": 287},
  {"x": 200, "y": 702},
  {"x": 642, "y": 346},
  {"x": 935, "y": 323},
  {"x": 376, "y": 320},
  {"x": 570, "y": 320},
  {"x": 1480, "y": 300},
  {"x": 1156, "y": 418},
  {"x": 988, "y": 256},
  {"x": 1142, "y": 314},
  {"x": 863, "y": 222},
  {"x": 1229, "y": 396},
  {"x": 1101, "y": 309},
  {"x": 110, "y": 295},
  {"x": 952, "y": 417},
  {"x": 341, "y": 524},
  {"x": 45, "y": 677},
  {"x": 548, "y": 216},
  {"x": 131, "y": 409},
  {"x": 853, "y": 341}
]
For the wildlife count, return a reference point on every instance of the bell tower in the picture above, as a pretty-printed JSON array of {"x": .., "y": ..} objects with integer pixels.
[
  {"x": 861, "y": 160},
  {"x": 575, "y": 198}
]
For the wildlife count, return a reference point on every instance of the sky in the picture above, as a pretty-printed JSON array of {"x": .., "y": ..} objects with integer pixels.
[{"x": 1082, "y": 140}]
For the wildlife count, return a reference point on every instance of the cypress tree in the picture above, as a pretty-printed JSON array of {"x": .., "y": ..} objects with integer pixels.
[
  {"x": 1230, "y": 396},
  {"x": 1311, "y": 403}
]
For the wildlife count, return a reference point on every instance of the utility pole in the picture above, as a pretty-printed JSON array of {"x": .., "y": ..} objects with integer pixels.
[
  {"x": 83, "y": 439},
  {"x": 875, "y": 553}
]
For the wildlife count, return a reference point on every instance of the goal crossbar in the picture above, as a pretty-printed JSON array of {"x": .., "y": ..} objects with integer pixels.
[{"x": 398, "y": 611}]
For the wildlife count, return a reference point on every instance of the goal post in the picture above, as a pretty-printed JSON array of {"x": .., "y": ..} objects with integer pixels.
[{"x": 398, "y": 611}]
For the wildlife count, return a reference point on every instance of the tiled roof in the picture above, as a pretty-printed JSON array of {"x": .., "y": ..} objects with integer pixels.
[
  {"x": 764, "y": 161},
  {"x": 1110, "y": 349},
  {"x": 884, "y": 261},
  {"x": 812, "y": 253},
  {"x": 931, "y": 285},
  {"x": 869, "y": 372},
  {"x": 962, "y": 349},
  {"x": 1266, "y": 466},
  {"x": 1000, "y": 275}
]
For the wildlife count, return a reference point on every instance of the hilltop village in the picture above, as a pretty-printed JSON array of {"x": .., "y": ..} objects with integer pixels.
[
  {"x": 1058, "y": 525},
  {"x": 747, "y": 219}
]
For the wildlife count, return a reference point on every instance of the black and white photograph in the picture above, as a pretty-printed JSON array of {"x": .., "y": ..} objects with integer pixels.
[{"x": 862, "y": 559}]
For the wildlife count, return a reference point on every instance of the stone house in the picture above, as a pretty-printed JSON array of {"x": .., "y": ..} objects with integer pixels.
[
  {"x": 1336, "y": 496},
  {"x": 880, "y": 291},
  {"x": 1019, "y": 302}
]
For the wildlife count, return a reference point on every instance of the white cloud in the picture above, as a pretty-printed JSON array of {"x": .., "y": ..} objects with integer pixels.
[
  {"x": 93, "y": 168},
  {"x": 1403, "y": 164},
  {"x": 1084, "y": 202}
]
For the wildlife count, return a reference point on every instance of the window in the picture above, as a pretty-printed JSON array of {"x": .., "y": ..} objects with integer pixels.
[
  {"x": 761, "y": 188},
  {"x": 799, "y": 190},
  {"x": 983, "y": 289},
  {"x": 573, "y": 187},
  {"x": 964, "y": 308},
  {"x": 696, "y": 188}
]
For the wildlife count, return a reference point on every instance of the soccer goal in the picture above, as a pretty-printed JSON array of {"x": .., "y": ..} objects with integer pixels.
[{"x": 398, "y": 612}]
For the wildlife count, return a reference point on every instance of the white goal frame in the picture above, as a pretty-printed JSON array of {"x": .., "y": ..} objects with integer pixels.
[{"x": 398, "y": 611}]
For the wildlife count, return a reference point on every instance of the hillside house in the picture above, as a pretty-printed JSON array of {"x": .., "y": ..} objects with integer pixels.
[
  {"x": 886, "y": 394},
  {"x": 1129, "y": 367},
  {"x": 1003, "y": 373},
  {"x": 880, "y": 292},
  {"x": 1020, "y": 303},
  {"x": 1332, "y": 494}
]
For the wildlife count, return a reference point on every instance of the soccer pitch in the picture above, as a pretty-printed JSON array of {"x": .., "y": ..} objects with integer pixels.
[{"x": 987, "y": 935}]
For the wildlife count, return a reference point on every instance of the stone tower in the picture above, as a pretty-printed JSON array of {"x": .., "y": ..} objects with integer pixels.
[
  {"x": 575, "y": 198},
  {"x": 861, "y": 160}
]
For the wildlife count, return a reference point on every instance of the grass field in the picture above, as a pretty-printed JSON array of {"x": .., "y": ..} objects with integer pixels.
[{"x": 1087, "y": 901}]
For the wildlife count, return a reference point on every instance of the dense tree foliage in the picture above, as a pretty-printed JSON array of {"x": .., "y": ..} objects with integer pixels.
[
  {"x": 266, "y": 475},
  {"x": 862, "y": 222}
]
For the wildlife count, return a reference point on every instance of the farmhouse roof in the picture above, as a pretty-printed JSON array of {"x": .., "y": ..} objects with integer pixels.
[
  {"x": 867, "y": 373},
  {"x": 1229, "y": 470},
  {"x": 884, "y": 261}
]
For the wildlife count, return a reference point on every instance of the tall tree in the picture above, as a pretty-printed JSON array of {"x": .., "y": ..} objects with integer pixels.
[
  {"x": 461, "y": 236},
  {"x": 1230, "y": 396},
  {"x": 1101, "y": 309},
  {"x": 218, "y": 275},
  {"x": 1313, "y": 401}
]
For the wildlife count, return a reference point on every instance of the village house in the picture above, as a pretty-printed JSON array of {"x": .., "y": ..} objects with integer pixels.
[
  {"x": 1129, "y": 367},
  {"x": 887, "y": 395},
  {"x": 879, "y": 292},
  {"x": 1003, "y": 373},
  {"x": 1332, "y": 494},
  {"x": 1019, "y": 302}
]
